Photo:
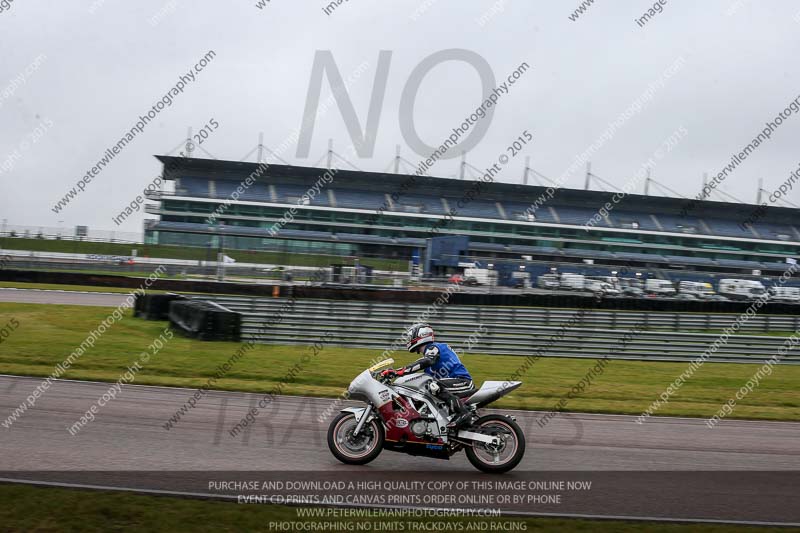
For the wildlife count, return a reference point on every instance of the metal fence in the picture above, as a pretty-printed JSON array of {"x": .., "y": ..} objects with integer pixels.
[
  {"x": 514, "y": 331},
  {"x": 69, "y": 233}
]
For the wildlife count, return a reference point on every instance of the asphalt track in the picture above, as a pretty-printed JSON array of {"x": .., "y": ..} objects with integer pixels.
[{"x": 667, "y": 468}]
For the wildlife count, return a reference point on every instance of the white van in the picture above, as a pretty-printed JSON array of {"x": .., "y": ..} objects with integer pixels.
[
  {"x": 572, "y": 282},
  {"x": 548, "y": 281},
  {"x": 480, "y": 276},
  {"x": 659, "y": 287},
  {"x": 741, "y": 289},
  {"x": 699, "y": 289},
  {"x": 600, "y": 285},
  {"x": 633, "y": 287},
  {"x": 614, "y": 286},
  {"x": 784, "y": 294}
]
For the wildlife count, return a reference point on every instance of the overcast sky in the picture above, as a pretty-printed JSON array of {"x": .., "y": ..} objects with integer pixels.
[{"x": 103, "y": 63}]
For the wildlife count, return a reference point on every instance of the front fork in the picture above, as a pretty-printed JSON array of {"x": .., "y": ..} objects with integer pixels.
[{"x": 363, "y": 420}]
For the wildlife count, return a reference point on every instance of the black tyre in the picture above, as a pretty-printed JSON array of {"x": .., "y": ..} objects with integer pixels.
[
  {"x": 497, "y": 459},
  {"x": 355, "y": 450}
]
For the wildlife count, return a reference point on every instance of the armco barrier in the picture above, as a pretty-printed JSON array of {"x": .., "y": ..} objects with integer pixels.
[
  {"x": 587, "y": 333},
  {"x": 203, "y": 320}
]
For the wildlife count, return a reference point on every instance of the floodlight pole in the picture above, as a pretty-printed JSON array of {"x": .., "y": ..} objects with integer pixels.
[
  {"x": 330, "y": 153},
  {"x": 189, "y": 143},
  {"x": 588, "y": 175},
  {"x": 525, "y": 173},
  {"x": 397, "y": 159},
  {"x": 647, "y": 183},
  {"x": 463, "y": 165},
  {"x": 760, "y": 187},
  {"x": 260, "y": 147}
]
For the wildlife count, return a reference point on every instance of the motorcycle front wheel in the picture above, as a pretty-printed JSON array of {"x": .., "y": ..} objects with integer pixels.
[
  {"x": 354, "y": 450},
  {"x": 503, "y": 457}
]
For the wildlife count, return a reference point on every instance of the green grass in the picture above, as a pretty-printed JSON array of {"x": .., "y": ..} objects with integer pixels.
[
  {"x": 48, "y": 333},
  {"x": 193, "y": 253},
  {"x": 82, "y": 288},
  {"x": 46, "y": 509}
]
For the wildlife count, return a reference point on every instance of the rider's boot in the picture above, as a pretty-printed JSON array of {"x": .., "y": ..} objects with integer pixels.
[{"x": 462, "y": 415}]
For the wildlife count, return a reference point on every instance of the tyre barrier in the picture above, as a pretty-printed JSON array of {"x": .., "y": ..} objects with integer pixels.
[
  {"x": 207, "y": 321},
  {"x": 154, "y": 306}
]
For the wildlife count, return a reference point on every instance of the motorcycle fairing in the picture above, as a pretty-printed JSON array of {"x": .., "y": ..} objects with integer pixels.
[
  {"x": 357, "y": 411},
  {"x": 365, "y": 388},
  {"x": 394, "y": 409},
  {"x": 490, "y": 391}
]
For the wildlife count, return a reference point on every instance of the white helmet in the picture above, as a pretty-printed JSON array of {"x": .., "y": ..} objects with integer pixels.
[{"x": 417, "y": 335}]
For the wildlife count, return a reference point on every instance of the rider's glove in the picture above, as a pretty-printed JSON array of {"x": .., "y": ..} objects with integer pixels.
[{"x": 391, "y": 373}]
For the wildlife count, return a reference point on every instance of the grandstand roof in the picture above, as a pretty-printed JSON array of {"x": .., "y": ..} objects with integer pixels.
[{"x": 383, "y": 183}]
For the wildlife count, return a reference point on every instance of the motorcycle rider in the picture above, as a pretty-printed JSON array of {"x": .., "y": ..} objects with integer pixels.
[{"x": 442, "y": 363}]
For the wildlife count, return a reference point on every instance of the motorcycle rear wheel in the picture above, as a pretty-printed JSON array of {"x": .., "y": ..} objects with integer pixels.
[
  {"x": 355, "y": 450},
  {"x": 500, "y": 459}
]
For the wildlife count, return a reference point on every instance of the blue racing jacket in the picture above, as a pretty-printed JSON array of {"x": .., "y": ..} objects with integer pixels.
[{"x": 440, "y": 361}]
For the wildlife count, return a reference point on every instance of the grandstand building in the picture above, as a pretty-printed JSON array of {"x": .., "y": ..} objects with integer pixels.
[{"x": 342, "y": 219}]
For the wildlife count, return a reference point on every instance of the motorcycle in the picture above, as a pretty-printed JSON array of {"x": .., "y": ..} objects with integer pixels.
[{"x": 403, "y": 414}]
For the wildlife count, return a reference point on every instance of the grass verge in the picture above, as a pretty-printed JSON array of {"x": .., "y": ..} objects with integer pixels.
[
  {"x": 78, "y": 288},
  {"x": 46, "y": 509},
  {"x": 48, "y": 333}
]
